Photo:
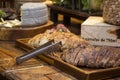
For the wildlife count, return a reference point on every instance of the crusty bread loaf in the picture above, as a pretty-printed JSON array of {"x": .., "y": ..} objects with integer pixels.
[
  {"x": 66, "y": 38},
  {"x": 79, "y": 52}
]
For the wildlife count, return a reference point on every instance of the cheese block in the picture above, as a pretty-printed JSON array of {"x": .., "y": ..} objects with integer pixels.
[
  {"x": 35, "y": 21},
  {"x": 34, "y": 14}
]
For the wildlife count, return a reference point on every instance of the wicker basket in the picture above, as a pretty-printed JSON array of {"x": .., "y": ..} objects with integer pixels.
[{"x": 111, "y": 11}]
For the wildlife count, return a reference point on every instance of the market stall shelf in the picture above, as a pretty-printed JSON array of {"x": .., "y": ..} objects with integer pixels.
[
  {"x": 23, "y": 31},
  {"x": 81, "y": 73}
]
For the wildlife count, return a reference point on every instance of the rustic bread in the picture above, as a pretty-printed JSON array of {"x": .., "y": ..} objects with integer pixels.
[{"x": 79, "y": 52}]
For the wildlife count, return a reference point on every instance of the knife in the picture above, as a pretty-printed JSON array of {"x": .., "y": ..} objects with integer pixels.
[{"x": 44, "y": 49}]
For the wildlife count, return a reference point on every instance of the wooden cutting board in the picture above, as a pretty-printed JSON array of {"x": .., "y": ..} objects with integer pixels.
[
  {"x": 23, "y": 31},
  {"x": 81, "y": 73}
]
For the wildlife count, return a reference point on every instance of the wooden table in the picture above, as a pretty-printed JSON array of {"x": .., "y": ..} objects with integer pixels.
[
  {"x": 67, "y": 14},
  {"x": 33, "y": 69}
]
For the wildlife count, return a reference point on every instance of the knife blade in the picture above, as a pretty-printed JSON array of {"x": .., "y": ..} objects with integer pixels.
[{"x": 46, "y": 48}]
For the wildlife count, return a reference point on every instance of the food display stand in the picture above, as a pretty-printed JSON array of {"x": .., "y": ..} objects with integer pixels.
[{"x": 14, "y": 43}]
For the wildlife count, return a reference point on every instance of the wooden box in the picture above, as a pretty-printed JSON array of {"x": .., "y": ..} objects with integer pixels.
[{"x": 97, "y": 32}]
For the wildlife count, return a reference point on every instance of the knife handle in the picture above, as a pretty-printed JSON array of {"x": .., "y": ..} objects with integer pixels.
[{"x": 33, "y": 53}]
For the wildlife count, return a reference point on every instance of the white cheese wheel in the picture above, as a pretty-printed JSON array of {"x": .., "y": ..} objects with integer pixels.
[{"x": 34, "y": 14}]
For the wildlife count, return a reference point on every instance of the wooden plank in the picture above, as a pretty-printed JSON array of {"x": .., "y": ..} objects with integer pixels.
[
  {"x": 30, "y": 73},
  {"x": 59, "y": 76},
  {"x": 5, "y": 59},
  {"x": 37, "y": 73},
  {"x": 81, "y": 73},
  {"x": 8, "y": 60}
]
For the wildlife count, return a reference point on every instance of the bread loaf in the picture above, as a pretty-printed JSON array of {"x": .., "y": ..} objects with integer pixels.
[{"x": 79, "y": 52}]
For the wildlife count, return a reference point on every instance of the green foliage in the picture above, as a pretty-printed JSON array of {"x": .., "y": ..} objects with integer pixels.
[
  {"x": 91, "y": 4},
  {"x": 100, "y": 1},
  {"x": 95, "y": 4},
  {"x": 2, "y": 14},
  {"x": 56, "y": 1},
  {"x": 85, "y": 4}
]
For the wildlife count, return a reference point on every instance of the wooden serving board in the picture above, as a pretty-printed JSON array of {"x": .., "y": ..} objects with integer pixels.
[
  {"x": 23, "y": 31},
  {"x": 81, "y": 73}
]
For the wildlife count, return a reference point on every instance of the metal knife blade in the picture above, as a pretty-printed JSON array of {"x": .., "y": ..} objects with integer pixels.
[{"x": 52, "y": 47}]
